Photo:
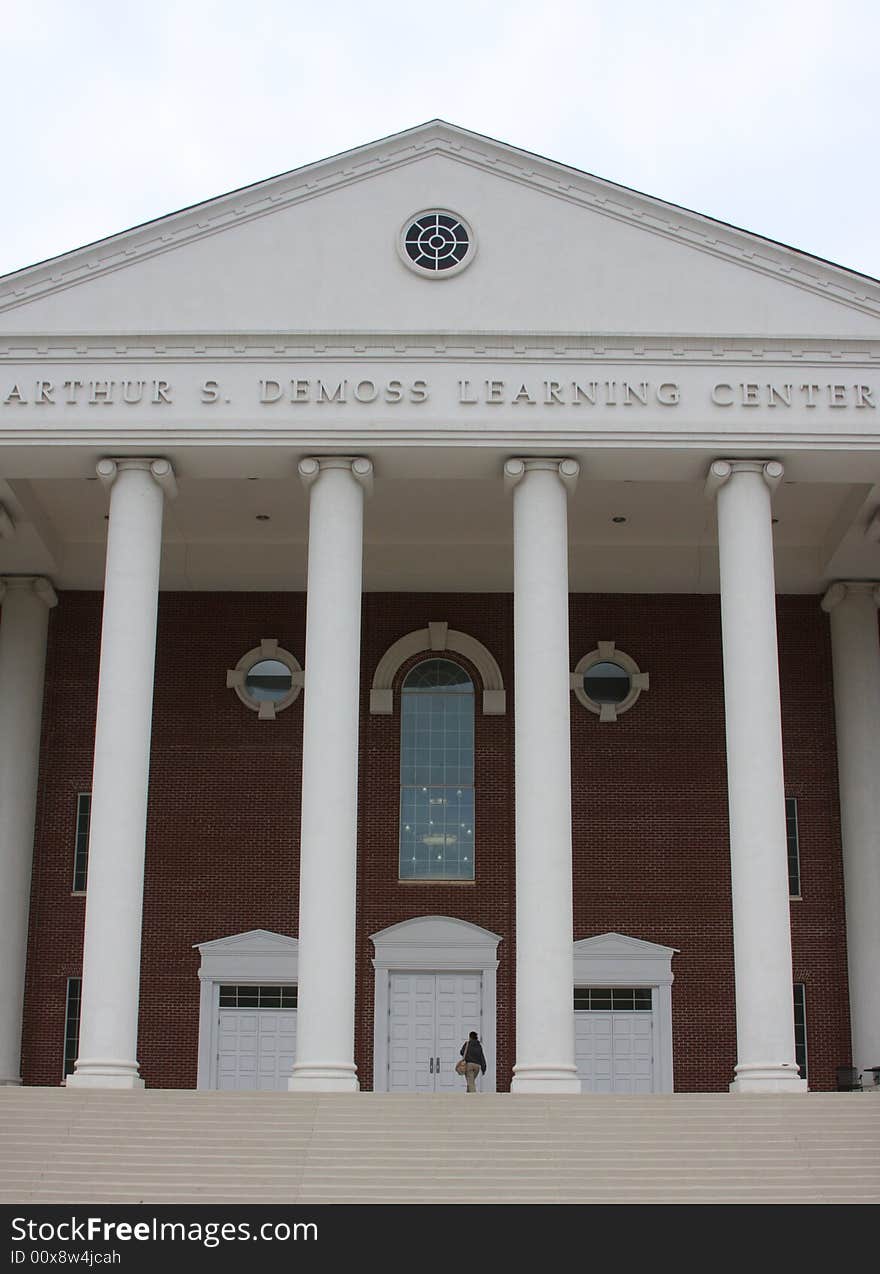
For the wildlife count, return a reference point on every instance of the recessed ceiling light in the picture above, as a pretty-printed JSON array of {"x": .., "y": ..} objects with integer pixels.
[
  {"x": 262, "y": 517},
  {"x": 619, "y": 518}
]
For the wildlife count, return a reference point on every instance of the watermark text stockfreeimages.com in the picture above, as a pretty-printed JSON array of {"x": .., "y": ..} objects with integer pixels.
[{"x": 96, "y": 1229}]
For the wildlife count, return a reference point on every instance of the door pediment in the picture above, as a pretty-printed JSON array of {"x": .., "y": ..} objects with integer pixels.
[
  {"x": 435, "y": 942},
  {"x": 615, "y": 959},
  {"x": 254, "y": 956}
]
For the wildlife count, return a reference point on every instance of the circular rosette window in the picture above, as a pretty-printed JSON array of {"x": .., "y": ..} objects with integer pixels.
[
  {"x": 436, "y": 243},
  {"x": 607, "y": 681},
  {"x": 267, "y": 679}
]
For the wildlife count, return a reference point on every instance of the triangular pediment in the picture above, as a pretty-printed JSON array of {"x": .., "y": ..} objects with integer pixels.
[
  {"x": 616, "y": 959},
  {"x": 257, "y": 942},
  {"x": 558, "y": 250},
  {"x": 619, "y": 944}
]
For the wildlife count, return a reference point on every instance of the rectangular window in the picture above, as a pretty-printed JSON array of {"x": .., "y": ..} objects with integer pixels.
[
  {"x": 791, "y": 836},
  {"x": 600, "y": 999},
  {"x": 800, "y": 1027},
  {"x": 81, "y": 849},
  {"x": 258, "y": 997},
  {"x": 437, "y": 773},
  {"x": 71, "y": 1024}
]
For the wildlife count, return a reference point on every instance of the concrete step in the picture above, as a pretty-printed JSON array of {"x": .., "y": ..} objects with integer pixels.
[{"x": 75, "y": 1146}]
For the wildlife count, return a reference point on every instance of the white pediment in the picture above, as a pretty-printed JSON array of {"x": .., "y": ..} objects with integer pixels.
[
  {"x": 434, "y": 929},
  {"x": 615, "y": 959},
  {"x": 256, "y": 956},
  {"x": 252, "y": 942},
  {"x": 435, "y": 942},
  {"x": 618, "y": 944},
  {"x": 314, "y": 250}
]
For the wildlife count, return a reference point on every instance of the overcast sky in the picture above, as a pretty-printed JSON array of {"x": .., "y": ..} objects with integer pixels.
[{"x": 763, "y": 114}]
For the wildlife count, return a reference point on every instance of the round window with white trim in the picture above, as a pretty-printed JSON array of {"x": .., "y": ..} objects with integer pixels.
[
  {"x": 267, "y": 679},
  {"x": 607, "y": 681},
  {"x": 436, "y": 243}
]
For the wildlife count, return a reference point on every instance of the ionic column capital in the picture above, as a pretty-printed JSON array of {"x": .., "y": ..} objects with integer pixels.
[
  {"x": 161, "y": 470},
  {"x": 721, "y": 471},
  {"x": 842, "y": 589},
  {"x": 566, "y": 469},
  {"x": 310, "y": 469},
  {"x": 37, "y": 584}
]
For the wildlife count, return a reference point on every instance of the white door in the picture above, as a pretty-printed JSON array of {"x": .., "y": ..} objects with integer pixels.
[
  {"x": 614, "y": 1050},
  {"x": 256, "y": 1049},
  {"x": 430, "y": 1016}
]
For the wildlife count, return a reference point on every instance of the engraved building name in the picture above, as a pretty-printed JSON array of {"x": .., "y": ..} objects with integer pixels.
[{"x": 582, "y": 391}]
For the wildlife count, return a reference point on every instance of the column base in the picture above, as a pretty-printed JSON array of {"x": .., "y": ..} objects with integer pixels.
[
  {"x": 545, "y": 1079},
  {"x": 323, "y": 1079},
  {"x": 768, "y": 1078},
  {"x": 105, "y": 1075},
  {"x": 10, "y": 1083}
]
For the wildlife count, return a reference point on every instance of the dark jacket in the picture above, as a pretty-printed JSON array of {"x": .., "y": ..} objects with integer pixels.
[{"x": 472, "y": 1051}]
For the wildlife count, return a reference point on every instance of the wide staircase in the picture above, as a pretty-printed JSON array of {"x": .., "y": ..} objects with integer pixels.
[{"x": 155, "y": 1146}]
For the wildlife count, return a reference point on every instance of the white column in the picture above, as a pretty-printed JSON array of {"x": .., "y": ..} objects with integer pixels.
[
  {"x": 23, "y": 627},
  {"x": 328, "y": 838},
  {"x": 542, "y": 691},
  {"x": 114, "y": 898},
  {"x": 756, "y": 788},
  {"x": 855, "y": 652}
]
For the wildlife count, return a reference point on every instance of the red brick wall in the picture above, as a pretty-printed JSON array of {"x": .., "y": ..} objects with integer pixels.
[
  {"x": 649, "y": 816},
  {"x": 488, "y": 901},
  {"x": 222, "y": 823},
  {"x": 818, "y": 921}
]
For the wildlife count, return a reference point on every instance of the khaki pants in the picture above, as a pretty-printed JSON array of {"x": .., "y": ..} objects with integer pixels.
[{"x": 471, "y": 1072}]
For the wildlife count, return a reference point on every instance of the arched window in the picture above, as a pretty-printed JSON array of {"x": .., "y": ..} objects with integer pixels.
[{"x": 437, "y": 773}]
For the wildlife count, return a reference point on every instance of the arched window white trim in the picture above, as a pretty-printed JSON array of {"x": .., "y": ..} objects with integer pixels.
[{"x": 437, "y": 636}]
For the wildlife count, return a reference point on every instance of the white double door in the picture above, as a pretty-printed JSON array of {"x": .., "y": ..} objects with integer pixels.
[
  {"x": 256, "y": 1049},
  {"x": 614, "y": 1052},
  {"x": 430, "y": 1016}
]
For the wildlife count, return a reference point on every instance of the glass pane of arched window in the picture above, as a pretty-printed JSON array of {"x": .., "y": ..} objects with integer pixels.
[{"x": 437, "y": 773}]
